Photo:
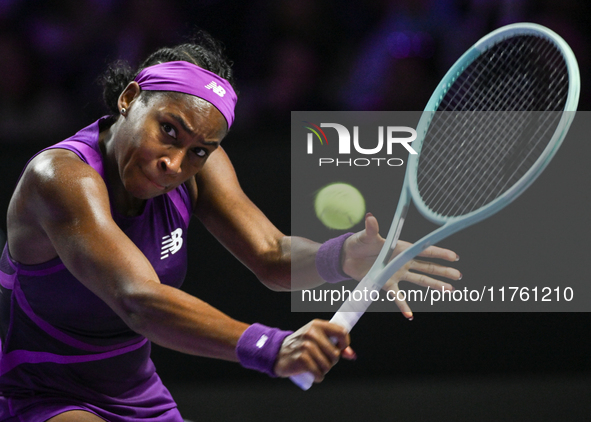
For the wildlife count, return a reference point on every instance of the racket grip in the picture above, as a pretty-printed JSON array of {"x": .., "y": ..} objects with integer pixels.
[
  {"x": 306, "y": 379},
  {"x": 303, "y": 380}
]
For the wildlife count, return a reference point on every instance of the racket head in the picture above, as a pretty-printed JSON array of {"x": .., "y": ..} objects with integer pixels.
[{"x": 491, "y": 49}]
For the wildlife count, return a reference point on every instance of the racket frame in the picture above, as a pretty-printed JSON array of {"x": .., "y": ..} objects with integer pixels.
[
  {"x": 464, "y": 61},
  {"x": 382, "y": 270}
]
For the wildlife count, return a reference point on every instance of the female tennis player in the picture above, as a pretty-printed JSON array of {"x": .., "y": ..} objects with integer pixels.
[{"x": 96, "y": 252}]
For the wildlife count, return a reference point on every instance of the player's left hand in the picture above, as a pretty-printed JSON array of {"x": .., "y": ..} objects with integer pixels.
[{"x": 361, "y": 250}]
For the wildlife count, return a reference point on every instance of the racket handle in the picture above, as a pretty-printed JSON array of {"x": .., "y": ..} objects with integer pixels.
[
  {"x": 303, "y": 380},
  {"x": 306, "y": 379}
]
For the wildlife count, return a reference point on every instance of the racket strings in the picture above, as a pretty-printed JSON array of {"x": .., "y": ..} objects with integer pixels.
[
  {"x": 525, "y": 155},
  {"x": 513, "y": 170},
  {"x": 503, "y": 155},
  {"x": 492, "y": 124},
  {"x": 499, "y": 105},
  {"x": 514, "y": 65},
  {"x": 474, "y": 161},
  {"x": 471, "y": 158}
]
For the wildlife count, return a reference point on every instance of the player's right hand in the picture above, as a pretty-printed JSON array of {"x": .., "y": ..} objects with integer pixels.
[{"x": 310, "y": 349}]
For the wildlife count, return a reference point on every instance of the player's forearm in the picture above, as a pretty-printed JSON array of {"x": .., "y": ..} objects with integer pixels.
[
  {"x": 297, "y": 269},
  {"x": 176, "y": 320}
]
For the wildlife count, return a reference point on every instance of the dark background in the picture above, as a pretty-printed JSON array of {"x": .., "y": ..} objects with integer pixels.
[{"x": 313, "y": 55}]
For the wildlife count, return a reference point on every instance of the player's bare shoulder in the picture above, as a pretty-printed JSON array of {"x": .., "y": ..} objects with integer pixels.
[
  {"x": 54, "y": 176},
  {"x": 55, "y": 187}
]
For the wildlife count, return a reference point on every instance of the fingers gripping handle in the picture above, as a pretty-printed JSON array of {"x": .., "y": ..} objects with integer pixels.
[
  {"x": 347, "y": 316},
  {"x": 306, "y": 379},
  {"x": 344, "y": 319}
]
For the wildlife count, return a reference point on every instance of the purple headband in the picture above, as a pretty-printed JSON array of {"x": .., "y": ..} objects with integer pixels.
[{"x": 190, "y": 79}]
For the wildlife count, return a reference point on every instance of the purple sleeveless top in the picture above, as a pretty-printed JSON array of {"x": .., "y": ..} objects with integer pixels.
[{"x": 62, "y": 344}]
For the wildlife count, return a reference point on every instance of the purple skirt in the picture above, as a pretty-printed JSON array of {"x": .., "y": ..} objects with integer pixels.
[
  {"x": 33, "y": 410},
  {"x": 148, "y": 401}
]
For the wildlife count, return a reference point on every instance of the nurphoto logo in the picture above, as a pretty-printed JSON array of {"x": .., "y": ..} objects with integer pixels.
[{"x": 388, "y": 136}]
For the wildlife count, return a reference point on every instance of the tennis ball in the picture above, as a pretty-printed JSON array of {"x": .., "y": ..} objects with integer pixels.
[{"x": 339, "y": 206}]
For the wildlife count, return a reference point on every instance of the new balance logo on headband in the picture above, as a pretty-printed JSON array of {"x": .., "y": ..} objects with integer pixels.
[{"x": 216, "y": 88}]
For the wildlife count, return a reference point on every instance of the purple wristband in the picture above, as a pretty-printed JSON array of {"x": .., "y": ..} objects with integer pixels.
[
  {"x": 328, "y": 260},
  {"x": 258, "y": 347}
]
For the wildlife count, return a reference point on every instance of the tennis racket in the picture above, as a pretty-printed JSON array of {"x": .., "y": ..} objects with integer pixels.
[{"x": 490, "y": 128}]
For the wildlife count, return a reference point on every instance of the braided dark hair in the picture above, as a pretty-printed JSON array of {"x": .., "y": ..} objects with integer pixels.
[{"x": 202, "y": 50}]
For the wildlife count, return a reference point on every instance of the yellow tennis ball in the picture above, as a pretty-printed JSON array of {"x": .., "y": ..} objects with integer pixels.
[{"x": 339, "y": 206}]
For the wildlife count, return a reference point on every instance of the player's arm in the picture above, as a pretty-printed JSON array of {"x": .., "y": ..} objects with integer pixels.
[
  {"x": 245, "y": 231},
  {"x": 67, "y": 202},
  {"x": 281, "y": 262}
]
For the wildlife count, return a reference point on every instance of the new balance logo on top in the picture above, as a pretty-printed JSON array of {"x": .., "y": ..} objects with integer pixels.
[
  {"x": 172, "y": 243},
  {"x": 216, "y": 88}
]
